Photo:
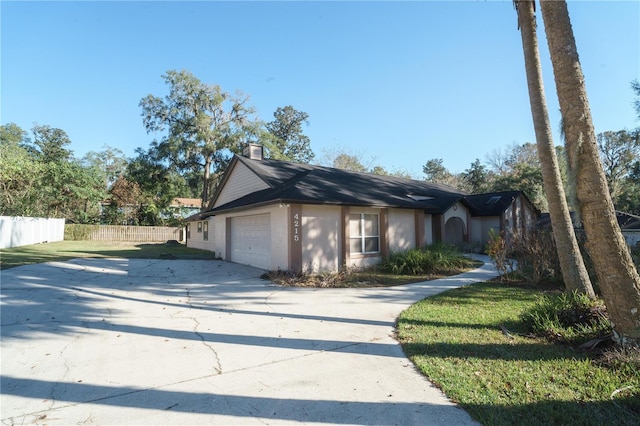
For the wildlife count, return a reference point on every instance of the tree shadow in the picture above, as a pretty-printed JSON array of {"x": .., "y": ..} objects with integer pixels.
[
  {"x": 241, "y": 406},
  {"x": 621, "y": 411}
]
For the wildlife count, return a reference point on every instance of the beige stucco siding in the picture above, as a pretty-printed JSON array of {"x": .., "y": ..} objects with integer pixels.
[
  {"x": 402, "y": 230},
  {"x": 241, "y": 182},
  {"x": 481, "y": 226},
  {"x": 457, "y": 210},
  {"x": 196, "y": 239},
  {"x": 321, "y": 242},
  {"x": 428, "y": 230}
]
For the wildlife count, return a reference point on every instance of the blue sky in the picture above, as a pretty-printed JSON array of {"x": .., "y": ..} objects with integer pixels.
[{"x": 398, "y": 83}]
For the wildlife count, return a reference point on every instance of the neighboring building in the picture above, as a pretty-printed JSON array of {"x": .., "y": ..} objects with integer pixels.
[
  {"x": 629, "y": 225},
  {"x": 182, "y": 208},
  {"x": 279, "y": 215}
]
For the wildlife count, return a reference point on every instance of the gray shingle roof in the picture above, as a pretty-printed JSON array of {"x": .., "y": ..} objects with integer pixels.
[
  {"x": 309, "y": 184},
  {"x": 491, "y": 204}
]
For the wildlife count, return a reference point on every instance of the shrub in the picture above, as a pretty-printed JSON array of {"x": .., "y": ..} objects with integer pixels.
[
  {"x": 530, "y": 256},
  {"x": 569, "y": 317},
  {"x": 428, "y": 260},
  {"x": 77, "y": 232}
]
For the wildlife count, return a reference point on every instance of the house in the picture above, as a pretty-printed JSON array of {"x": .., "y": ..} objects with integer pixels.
[
  {"x": 280, "y": 215},
  {"x": 506, "y": 212},
  {"x": 629, "y": 225},
  {"x": 181, "y": 208}
]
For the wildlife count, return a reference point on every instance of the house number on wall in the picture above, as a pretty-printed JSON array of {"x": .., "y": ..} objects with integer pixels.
[{"x": 296, "y": 227}]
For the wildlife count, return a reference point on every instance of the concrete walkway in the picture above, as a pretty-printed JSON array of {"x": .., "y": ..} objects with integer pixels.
[{"x": 172, "y": 342}]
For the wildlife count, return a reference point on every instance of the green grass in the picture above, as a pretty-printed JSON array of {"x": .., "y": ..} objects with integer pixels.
[
  {"x": 65, "y": 250},
  {"x": 455, "y": 339}
]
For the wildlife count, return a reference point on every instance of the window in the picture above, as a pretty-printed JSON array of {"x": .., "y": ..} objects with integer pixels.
[
  {"x": 205, "y": 230},
  {"x": 494, "y": 199},
  {"x": 188, "y": 231},
  {"x": 199, "y": 226},
  {"x": 364, "y": 233}
]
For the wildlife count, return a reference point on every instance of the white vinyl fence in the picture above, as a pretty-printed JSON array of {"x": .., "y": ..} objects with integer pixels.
[{"x": 22, "y": 231}]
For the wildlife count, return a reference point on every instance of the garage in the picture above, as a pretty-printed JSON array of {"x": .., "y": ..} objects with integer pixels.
[{"x": 251, "y": 240}]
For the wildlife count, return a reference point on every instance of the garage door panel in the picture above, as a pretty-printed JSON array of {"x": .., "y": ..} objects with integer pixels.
[{"x": 251, "y": 240}]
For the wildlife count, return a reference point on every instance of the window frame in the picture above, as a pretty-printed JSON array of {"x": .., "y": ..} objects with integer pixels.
[
  {"x": 199, "y": 227},
  {"x": 205, "y": 230},
  {"x": 363, "y": 237}
]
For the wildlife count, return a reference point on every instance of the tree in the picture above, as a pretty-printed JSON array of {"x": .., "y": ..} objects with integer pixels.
[
  {"x": 635, "y": 86},
  {"x": 349, "y": 162},
  {"x": 49, "y": 144},
  {"x": 572, "y": 265},
  {"x": 618, "y": 152},
  {"x": 435, "y": 171},
  {"x": 19, "y": 173},
  {"x": 617, "y": 277},
  {"x": 125, "y": 198},
  {"x": 503, "y": 161},
  {"x": 286, "y": 140},
  {"x": 202, "y": 121},
  {"x": 110, "y": 162},
  {"x": 159, "y": 185},
  {"x": 476, "y": 177}
]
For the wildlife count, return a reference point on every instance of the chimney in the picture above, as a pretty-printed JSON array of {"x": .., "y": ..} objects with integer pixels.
[{"x": 253, "y": 152}]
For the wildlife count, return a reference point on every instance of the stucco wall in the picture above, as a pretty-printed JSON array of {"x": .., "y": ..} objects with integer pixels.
[
  {"x": 457, "y": 210},
  {"x": 197, "y": 240},
  {"x": 428, "y": 230},
  {"x": 402, "y": 230},
  {"x": 321, "y": 242},
  {"x": 480, "y": 227}
]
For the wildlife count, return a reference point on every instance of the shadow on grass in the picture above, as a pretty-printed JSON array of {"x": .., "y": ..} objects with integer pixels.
[{"x": 620, "y": 411}]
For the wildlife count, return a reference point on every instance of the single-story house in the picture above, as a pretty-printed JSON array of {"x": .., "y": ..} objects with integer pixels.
[
  {"x": 629, "y": 225},
  {"x": 300, "y": 217}
]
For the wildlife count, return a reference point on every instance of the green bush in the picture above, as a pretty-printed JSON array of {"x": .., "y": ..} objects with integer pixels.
[
  {"x": 568, "y": 317},
  {"x": 428, "y": 260},
  {"x": 77, "y": 232}
]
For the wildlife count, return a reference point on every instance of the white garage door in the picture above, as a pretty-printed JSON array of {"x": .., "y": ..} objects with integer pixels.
[{"x": 251, "y": 240}]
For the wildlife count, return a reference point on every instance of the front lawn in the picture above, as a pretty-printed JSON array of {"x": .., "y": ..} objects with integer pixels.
[
  {"x": 65, "y": 250},
  {"x": 502, "y": 377}
]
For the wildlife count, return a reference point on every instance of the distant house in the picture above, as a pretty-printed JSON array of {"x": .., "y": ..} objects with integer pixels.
[
  {"x": 280, "y": 215},
  {"x": 181, "y": 208},
  {"x": 629, "y": 225}
]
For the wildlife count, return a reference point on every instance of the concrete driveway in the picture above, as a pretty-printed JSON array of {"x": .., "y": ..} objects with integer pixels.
[{"x": 119, "y": 341}]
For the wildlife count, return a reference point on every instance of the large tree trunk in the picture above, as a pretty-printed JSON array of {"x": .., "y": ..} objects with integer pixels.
[
  {"x": 206, "y": 179},
  {"x": 574, "y": 272},
  {"x": 617, "y": 277}
]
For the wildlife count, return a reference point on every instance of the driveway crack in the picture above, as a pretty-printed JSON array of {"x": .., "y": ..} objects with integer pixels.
[{"x": 217, "y": 364}]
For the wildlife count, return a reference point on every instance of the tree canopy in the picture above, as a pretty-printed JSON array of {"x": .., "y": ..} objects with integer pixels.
[
  {"x": 201, "y": 124},
  {"x": 285, "y": 139}
]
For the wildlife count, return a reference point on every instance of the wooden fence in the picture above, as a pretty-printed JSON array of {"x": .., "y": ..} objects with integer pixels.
[{"x": 123, "y": 233}]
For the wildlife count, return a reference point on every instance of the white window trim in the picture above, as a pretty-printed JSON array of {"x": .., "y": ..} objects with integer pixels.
[{"x": 363, "y": 236}]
